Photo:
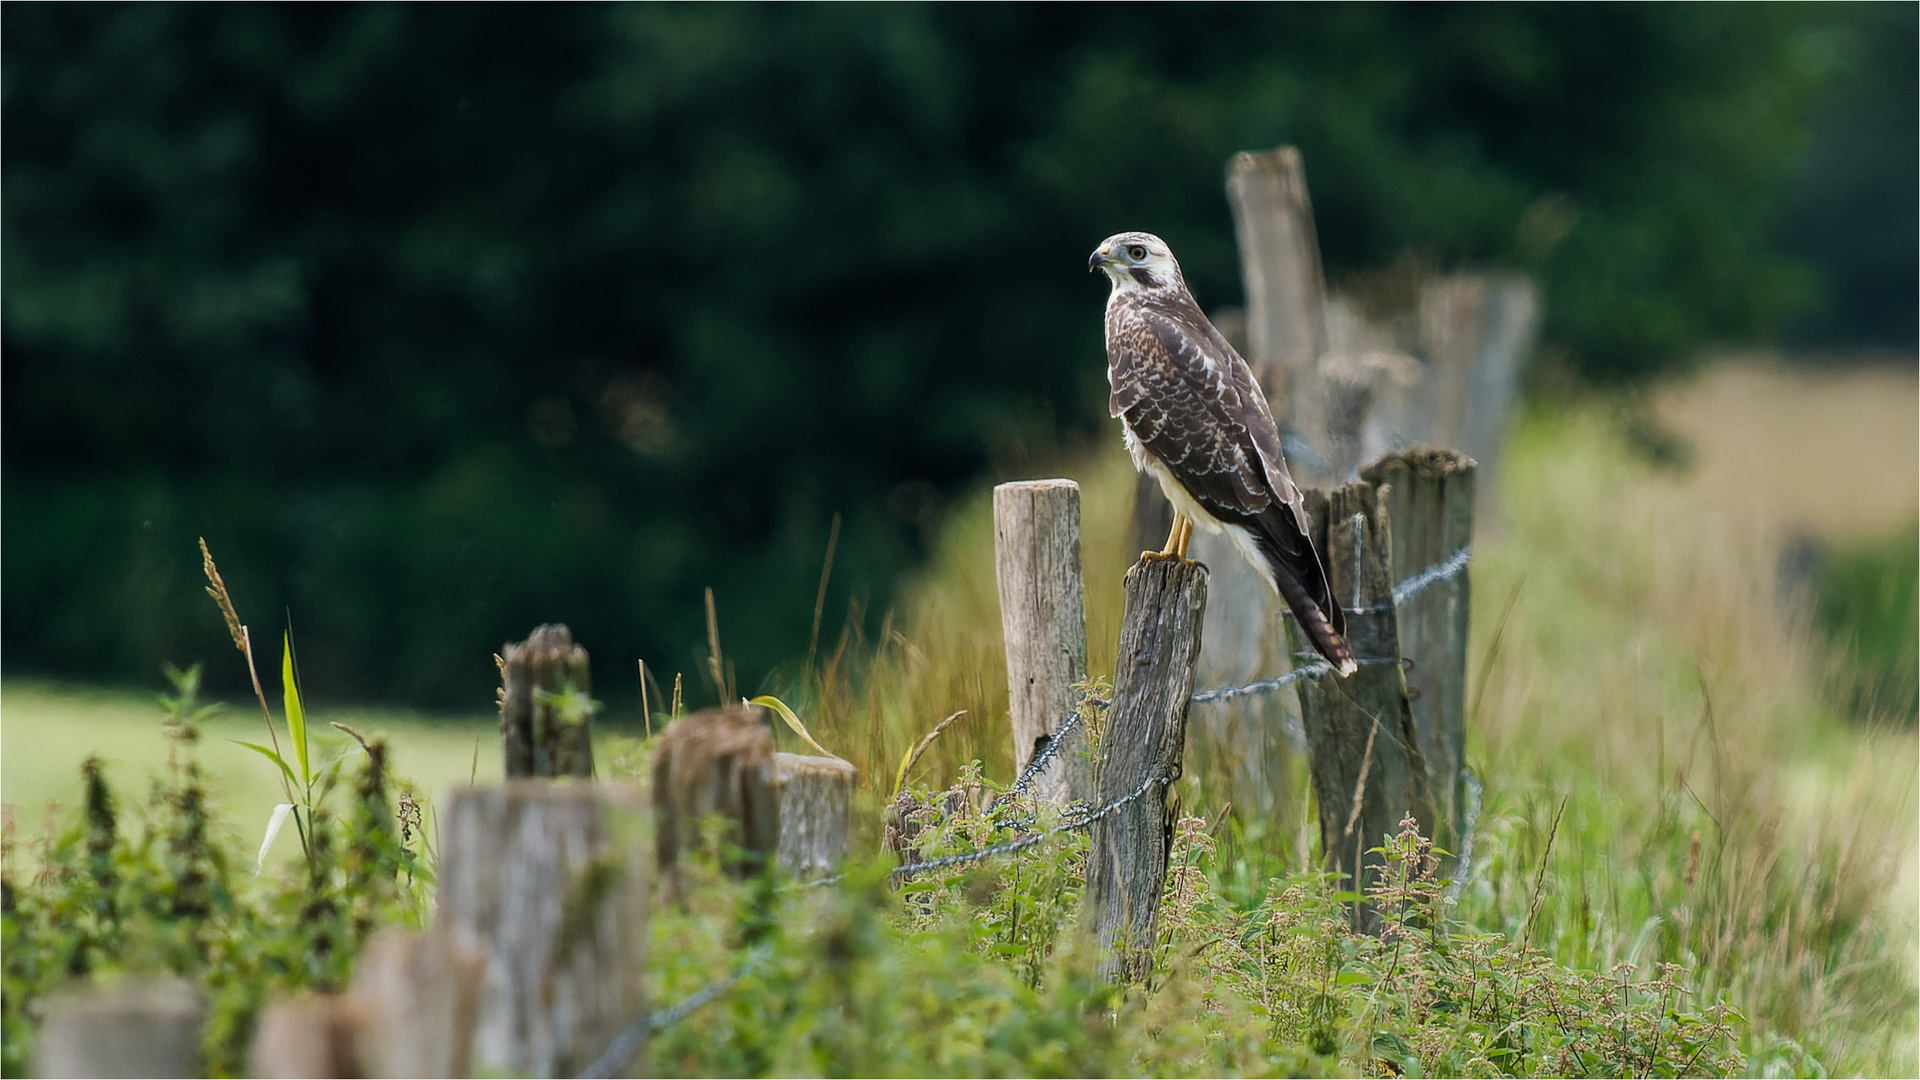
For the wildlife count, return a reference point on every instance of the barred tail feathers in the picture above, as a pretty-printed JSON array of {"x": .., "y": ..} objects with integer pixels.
[{"x": 1301, "y": 581}]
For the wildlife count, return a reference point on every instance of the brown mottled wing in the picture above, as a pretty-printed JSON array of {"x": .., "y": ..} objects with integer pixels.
[
  {"x": 1187, "y": 412},
  {"x": 1193, "y": 404}
]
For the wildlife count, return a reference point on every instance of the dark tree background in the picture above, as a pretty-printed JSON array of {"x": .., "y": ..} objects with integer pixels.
[{"x": 440, "y": 321}]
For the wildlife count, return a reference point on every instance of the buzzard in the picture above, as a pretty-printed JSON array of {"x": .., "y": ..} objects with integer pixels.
[{"x": 1197, "y": 421}]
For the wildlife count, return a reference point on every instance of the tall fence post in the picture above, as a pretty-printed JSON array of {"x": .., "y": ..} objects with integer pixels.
[
  {"x": 551, "y": 880},
  {"x": 1428, "y": 494},
  {"x": 1140, "y": 751},
  {"x": 1036, "y": 543},
  {"x": 1367, "y": 768}
]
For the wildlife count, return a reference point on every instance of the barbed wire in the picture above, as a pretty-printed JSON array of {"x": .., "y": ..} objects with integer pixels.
[
  {"x": 1011, "y": 847},
  {"x": 627, "y": 1043},
  {"x": 1406, "y": 590}
]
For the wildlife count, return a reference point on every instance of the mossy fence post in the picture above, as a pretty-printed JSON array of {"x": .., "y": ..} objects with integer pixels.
[
  {"x": 1141, "y": 745},
  {"x": 544, "y": 707},
  {"x": 1036, "y": 545}
]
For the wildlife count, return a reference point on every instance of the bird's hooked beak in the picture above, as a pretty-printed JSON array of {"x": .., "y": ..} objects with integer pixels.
[{"x": 1098, "y": 257}]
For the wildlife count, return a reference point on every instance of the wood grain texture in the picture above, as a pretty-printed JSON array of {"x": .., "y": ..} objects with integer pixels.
[
  {"x": 1144, "y": 736},
  {"x": 1280, "y": 267},
  {"x": 1364, "y": 755},
  {"x": 539, "y": 737},
  {"x": 1429, "y": 497},
  {"x": 551, "y": 880},
  {"x": 1036, "y": 543},
  {"x": 816, "y": 812}
]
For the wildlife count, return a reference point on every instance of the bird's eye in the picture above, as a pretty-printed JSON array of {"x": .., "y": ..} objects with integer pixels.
[{"x": 1136, "y": 252}]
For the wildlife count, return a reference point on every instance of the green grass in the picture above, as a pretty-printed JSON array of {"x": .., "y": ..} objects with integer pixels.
[
  {"x": 1724, "y": 811},
  {"x": 47, "y": 729}
]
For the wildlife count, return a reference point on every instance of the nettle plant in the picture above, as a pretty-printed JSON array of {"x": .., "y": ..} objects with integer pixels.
[
  {"x": 982, "y": 969},
  {"x": 156, "y": 885}
]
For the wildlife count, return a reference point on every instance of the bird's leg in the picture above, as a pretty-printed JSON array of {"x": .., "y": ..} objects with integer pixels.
[
  {"x": 1186, "y": 537},
  {"x": 1175, "y": 548}
]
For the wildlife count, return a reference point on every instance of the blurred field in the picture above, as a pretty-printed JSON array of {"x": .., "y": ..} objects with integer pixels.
[
  {"x": 1829, "y": 452},
  {"x": 47, "y": 729}
]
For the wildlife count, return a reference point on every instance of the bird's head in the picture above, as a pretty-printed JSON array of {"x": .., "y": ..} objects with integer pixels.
[{"x": 1136, "y": 260}]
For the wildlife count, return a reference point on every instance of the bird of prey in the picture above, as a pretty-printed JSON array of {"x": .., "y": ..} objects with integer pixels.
[{"x": 1197, "y": 421}]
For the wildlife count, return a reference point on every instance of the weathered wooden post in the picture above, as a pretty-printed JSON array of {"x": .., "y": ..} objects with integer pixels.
[
  {"x": 1140, "y": 748},
  {"x": 306, "y": 1035},
  {"x": 1036, "y": 544},
  {"x": 1475, "y": 330},
  {"x": 815, "y": 796},
  {"x": 1367, "y": 768},
  {"x": 140, "y": 1027},
  {"x": 716, "y": 761},
  {"x": 415, "y": 1003},
  {"x": 545, "y": 712},
  {"x": 550, "y": 879},
  {"x": 1428, "y": 495}
]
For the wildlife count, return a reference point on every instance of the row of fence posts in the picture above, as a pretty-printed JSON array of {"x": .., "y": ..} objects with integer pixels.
[{"x": 535, "y": 961}]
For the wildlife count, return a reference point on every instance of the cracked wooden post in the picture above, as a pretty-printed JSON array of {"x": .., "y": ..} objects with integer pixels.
[
  {"x": 1141, "y": 741},
  {"x": 545, "y": 710},
  {"x": 1429, "y": 496},
  {"x": 550, "y": 879},
  {"x": 1364, "y": 754},
  {"x": 1036, "y": 544},
  {"x": 816, "y": 810}
]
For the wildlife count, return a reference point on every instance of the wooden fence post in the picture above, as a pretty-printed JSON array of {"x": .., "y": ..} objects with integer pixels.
[
  {"x": 415, "y": 1002},
  {"x": 1144, "y": 735},
  {"x": 545, "y": 730},
  {"x": 1475, "y": 331},
  {"x": 550, "y": 878},
  {"x": 140, "y": 1027},
  {"x": 1428, "y": 495},
  {"x": 715, "y": 761},
  {"x": 1280, "y": 265},
  {"x": 815, "y": 796},
  {"x": 306, "y": 1035},
  {"x": 1367, "y": 768},
  {"x": 1036, "y": 543}
]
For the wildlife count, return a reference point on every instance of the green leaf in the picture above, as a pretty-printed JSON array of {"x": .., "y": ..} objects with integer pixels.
[
  {"x": 768, "y": 701},
  {"x": 296, "y": 716},
  {"x": 900, "y": 777},
  {"x": 269, "y": 755},
  {"x": 279, "y": 818}
]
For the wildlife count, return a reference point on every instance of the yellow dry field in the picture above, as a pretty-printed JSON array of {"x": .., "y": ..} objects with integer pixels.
[{"x": 1832, "y": 453}]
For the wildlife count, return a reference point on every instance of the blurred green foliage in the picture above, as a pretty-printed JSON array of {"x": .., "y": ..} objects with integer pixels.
[
  {"x": 1867, "y": 597},
  {"x": 442, "y": 321}
]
